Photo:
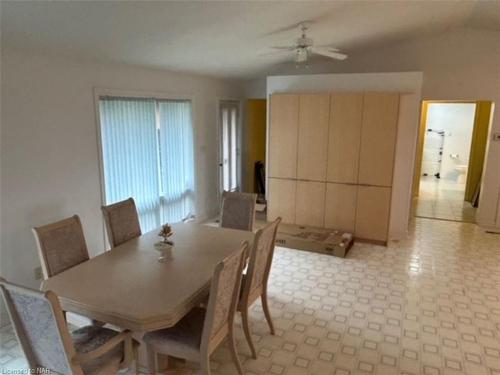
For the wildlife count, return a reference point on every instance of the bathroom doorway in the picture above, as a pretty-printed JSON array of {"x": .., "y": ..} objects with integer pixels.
[{"x": 450, "y": 161}]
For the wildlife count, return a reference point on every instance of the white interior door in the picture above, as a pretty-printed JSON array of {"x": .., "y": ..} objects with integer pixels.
[{"x": 229, "y": 145}]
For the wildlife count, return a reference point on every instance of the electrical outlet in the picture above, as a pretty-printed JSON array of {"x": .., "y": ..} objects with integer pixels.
[{"x": 38, "y": 273}]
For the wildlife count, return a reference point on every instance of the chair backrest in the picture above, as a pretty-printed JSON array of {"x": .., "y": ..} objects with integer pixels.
[
  {"x": 261, "y": 258},
  {"x": 224, "y": 295},
  {"x": 238, "y": 210},
  {"x": 40, "y": 328},
  {"x": 122, "y": 222},
  {"x": 61, "y": 245}
]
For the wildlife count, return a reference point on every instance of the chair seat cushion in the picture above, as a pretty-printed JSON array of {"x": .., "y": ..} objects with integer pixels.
[
  {"x": 182, "y": 340},
  {"x": 90, "y": 338}
]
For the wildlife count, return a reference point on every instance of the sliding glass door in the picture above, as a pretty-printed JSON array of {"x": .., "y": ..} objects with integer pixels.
[
  {"x": 176, "y": 160},
  {"x": 148, "y": 154}
]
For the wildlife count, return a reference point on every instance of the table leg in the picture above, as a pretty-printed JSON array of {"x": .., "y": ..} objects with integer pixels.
[
  {"x": 165, "y": 364},
  {"x": 172, "y": 366}
]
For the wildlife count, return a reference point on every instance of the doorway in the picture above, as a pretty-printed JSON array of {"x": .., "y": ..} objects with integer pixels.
[
  {"x": 255, "y": 145},
  {"x": 451, "y": 157},
  {"x": 229, "y": 139}
]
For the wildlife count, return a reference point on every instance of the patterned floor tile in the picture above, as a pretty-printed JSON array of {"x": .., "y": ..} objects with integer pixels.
[{"x": 425, "y": 305}]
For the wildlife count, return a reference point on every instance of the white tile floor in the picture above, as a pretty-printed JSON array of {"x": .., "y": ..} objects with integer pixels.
[
  {"x": 442, "y": 199},
  {"x": 426, "y": 305}
]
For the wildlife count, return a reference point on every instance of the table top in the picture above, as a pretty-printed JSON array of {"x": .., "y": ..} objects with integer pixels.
[{"x": 128, "y": 286}]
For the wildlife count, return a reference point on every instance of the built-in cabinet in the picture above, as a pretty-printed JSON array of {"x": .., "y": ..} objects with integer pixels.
[
  {"x": 372, "y": 212},
  {"x": 344, "y": 137},
  {"x": 331, "y": 159},
  {"x": 284, "y": 126},
  {"x": 283, "y": 193},
  {"x": 340, "y": 206},
  {"x": 310, "y": 203},
  {"x": 378, "y": 139},
  {"x": 312, "y": 136}
]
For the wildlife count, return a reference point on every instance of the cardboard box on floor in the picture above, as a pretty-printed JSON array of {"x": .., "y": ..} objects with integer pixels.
[
  {"x": 320, "y": 240},
  {"x": 302, "y": 237}
]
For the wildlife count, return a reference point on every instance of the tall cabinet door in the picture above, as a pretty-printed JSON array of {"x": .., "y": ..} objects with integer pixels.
[
  {"x": 340, "y": 206},
  {"x": 372, "y": 214},
  {"x": 310, "y": 203},
  {"x": 284, "y": 116},
  {"x": 346, "y": 117},
  {"x": 281, "y": 200},
  {"x": 378, "y": 138},
  {"x": 313, "y": 136}
]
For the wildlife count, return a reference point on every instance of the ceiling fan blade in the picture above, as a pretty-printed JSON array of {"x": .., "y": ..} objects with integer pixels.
[
  {"x": 278, "y": 52},
  {"x": 326, "y": 46},
  {"x": 328, "y": 53},
  {"x": 286, "y": 48}
]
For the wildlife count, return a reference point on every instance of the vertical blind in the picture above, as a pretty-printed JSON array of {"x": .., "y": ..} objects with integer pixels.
[
  {"x": 176, "y": 156},
  {"x": 147, "y": 150}
]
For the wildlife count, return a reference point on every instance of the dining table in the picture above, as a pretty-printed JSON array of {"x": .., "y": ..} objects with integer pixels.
[{"x": 130, "y": 287}]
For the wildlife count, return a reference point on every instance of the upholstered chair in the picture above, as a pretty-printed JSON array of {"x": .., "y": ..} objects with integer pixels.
[
  {"x": 40, "y": 328},
  {"x": 201, "y": 331},
  {"x": 122, "y": 222},
  {"x": 238, "y": 210},
  {"x": 61, "y": 245},
  {"x": 254, "y": 284}
]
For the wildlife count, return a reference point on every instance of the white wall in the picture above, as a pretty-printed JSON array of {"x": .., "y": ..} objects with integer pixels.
[
  {"x": 457, "y": 122},
  {"x": 407, "y": 83},
  {"x": 49, "y": 154},
  {"x": 461, "y": 64},
  {"x": 255, "y": 89}
]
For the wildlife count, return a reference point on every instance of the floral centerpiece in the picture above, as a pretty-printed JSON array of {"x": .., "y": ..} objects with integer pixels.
[
  {"x": 165, "y": 246},
  {"x": 166, "y": 232}
]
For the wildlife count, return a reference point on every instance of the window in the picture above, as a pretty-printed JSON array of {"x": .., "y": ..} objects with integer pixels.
[{"x": 148, "y": 154}]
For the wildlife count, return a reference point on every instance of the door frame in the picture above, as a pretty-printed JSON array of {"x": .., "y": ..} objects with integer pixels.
[
  {"x": 481, "y": 130},
  {"x": 239, "y": 129}
]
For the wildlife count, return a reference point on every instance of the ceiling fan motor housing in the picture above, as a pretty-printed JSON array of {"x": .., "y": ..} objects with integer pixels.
[{"x": 304, "y": 42}]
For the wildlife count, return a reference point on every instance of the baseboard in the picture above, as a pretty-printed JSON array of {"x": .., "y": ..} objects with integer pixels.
[
  {"x": 398, "y": 236},
  {"x": 371, "y": 242},
  {"x": 489, "y": 228}
]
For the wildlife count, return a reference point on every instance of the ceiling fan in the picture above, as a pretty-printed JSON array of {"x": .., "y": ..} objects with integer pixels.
[{"x": 304, "y": 47}]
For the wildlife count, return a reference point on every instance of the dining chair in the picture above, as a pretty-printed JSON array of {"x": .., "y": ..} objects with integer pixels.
[
  {"x": 122, "y": 222},
  {"x": 238, "y": 210},
  {"x": 254, "y": 283},
  {"x": 61, "y": 245},
  {"x": 42, "y": 333},
  {"x": 200, "y": 332}
]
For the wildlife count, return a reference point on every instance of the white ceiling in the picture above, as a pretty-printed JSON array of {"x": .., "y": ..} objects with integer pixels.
[{"x": 224, "y": 39}]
